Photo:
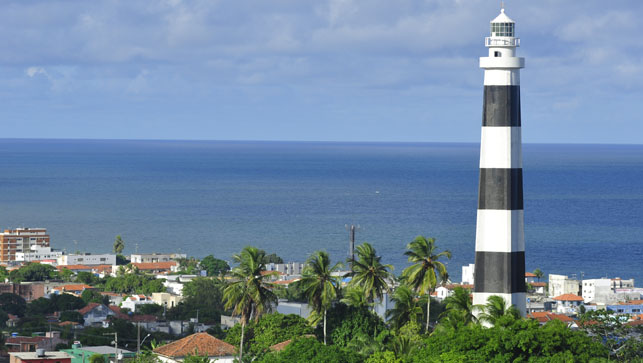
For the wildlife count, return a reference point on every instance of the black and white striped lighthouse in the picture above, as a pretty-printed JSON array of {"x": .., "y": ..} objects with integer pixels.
[{"x": 500, "y": 240}]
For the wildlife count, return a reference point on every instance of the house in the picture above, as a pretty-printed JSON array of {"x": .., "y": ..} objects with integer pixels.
[
  {"x": 87, "y": 259},
  {"x": 31, "y": 344},
  {"x": 568, "y": 303},
  {"x": 561, "y": 285},
  {"x": 40, "y": 356},
  {"x": 102, "y": 270},
  {"x": 633, "y": 307},
  {"x": 197, "y": 344},
  {"x": 287, "y": 307},
  {"x": 442, "y": 292},
  {"x": 545, "y": 316},
  {"x": 26, "y": 290},
  {"x": 131, "y": 302},
  {"x": 156, "y": 257},
  {"x": 539, "y": 287},
  {"x": 166, "y": 299},
  {"x": 156, "y": 267},
  {"x": 96, "y": 314},
  {"x": 530, "y": 277},
  {"x": 82, "y": 354},
  {"x": 115, "y": 298}
]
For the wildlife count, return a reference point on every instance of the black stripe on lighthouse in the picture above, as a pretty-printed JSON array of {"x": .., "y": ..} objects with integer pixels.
[
  {"x": 501, "y": 106},
  {"x": 500, "y": 272},
  {"x": 500, "y": 189}
]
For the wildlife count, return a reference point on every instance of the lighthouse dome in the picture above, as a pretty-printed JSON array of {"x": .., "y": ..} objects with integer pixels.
[{"x": 502, "y": 25}]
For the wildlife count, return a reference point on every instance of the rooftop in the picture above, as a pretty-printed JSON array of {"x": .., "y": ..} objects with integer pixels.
[
  {"x": 105, "y": 349},
  {"x": 199, "y": 343},
  {"x": 281, "y": 346},
  {"x": 34, "y": 355},
  {"x": 569, "y": 297}
]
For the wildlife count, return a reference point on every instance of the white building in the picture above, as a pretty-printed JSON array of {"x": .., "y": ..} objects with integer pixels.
[
  {"x": 561, "y": 284},
  {"x": 467, "y": 273},
  {"x": 38, "y": 253},
  {"x": 86, "y": 259},
  {"x": 133, "y": 301},
  {"x": 156, "y": 257},
  {"x": 290, "y": 268},
  {"x": 597, "y": 290}
]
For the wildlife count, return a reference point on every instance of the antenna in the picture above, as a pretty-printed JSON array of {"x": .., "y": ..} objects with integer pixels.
[
  {"x": 502, "y": 5},
  {"x": 351, "y": 246}
]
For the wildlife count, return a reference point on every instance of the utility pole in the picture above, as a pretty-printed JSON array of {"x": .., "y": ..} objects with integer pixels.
[
  {"x": 115, "y": 334},
  {"x": 351, "y": 246},
  {"x": 138, "y": 338}
]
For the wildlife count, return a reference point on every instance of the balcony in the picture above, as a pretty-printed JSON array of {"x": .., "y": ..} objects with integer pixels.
[{"x": 501, "y": 42}]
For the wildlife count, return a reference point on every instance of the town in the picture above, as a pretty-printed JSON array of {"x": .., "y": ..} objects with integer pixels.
[{"x": 81, "y": 307}]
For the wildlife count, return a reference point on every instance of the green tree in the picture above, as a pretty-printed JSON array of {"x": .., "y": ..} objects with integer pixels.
[
  {"x": 214, "y": 266},
  {"x": 249, "y": 293},
  {"x": 539, "y": 274},
  {"x": 4, "y": 274},
  {"x": 320, "y": 285},
  {"x": 354, "y": 296},
  {"x": 33, "y": 272},
  {"x": 345, "y": 323},
  {"x": 272, "y": 258},
  {"x": 119, "y": 244},
  {"x": 196, "y": 358},
  {"x": 13, "y": 304},
  {"x": 407, "y": 307},
  {"x": 269, "y": 330},
  {"x": 497, "y": 308},
  {"x": 93, "y": 296},
  {"x": 96, "y": 358},
  {"x": 460, "y": 307},
  {"x": 66, "y": 274},
  {"x": 423, "y": 275},
  {"x": 205, "y": 295},
  {"x": 369, "y": 273},
  {"x": 87, "y": 278},
  {"x": 621, "y": 340},
  {"x": 309, "y": 350},
  {"x": 64, "y": 302}
]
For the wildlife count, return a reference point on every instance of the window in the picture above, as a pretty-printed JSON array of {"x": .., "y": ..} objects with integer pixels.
[
  {"x": 502, "y": 29},
  {"x": 497, "y": 54}
]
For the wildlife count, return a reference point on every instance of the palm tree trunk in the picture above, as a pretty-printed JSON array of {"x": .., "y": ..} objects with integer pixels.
[
  {"x": 243, "y": 326},
  {"x": 428, "y": 312},
  {"x": 324, "y": 326}
]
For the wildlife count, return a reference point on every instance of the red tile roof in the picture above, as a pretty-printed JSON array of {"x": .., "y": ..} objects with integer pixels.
[
  {"x": 199, "y": 343},
  {"x": 545, "y": 316},
  {"x": 286, "y": 282},
  {"x": 73, "y": 287},
  {"x": 632, "y": 302},
  {"x": 538, "y": 284},
  {"x": 88, "y": 308},
  {"x": 73, "y": 267},
  {"x": 281, "y": 346},
  {"x": 568, "y": 297},
  {"x": 529, "y": 274}
]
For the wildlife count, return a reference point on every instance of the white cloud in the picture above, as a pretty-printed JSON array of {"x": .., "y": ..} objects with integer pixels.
[{"x": 33, "y": 71}]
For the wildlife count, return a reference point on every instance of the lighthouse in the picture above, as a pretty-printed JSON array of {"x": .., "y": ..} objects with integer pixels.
[{"x": 500, "y": 240}]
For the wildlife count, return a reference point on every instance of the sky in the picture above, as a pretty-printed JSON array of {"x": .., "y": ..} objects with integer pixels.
[{"x": 327, "y": 70}]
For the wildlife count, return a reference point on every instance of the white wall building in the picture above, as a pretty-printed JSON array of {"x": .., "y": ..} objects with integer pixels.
[
  {"x": 596, "y": 290},
  {"x": 290, "y": 268},
  {"x": 135, "y": 300},
  {"x": 467, "y": 273},
  {"x": 38, "y": 253},
  {"x": 561, "y": 284},
  {"x": 156, "y": 257},
  {"x": 87, "y": 259}
]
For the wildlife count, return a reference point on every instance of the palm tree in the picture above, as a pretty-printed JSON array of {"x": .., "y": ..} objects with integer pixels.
[
  {"x": 249, "y": 294},
  {"x": 407, "y": 307},
  {"x": 369, "y": 273},
  {"x": 459, "y": 304},
  {"x": 319, "y": 284},
  {"x": 497, "y": 308},
  {"x": 423, "y": 275},
  {"x": 538, "y": 274},
  {"x": 354, "y": 296}
]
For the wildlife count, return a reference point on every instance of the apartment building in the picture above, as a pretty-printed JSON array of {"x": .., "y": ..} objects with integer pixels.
[
  {"x": 21, "y": 240},
  {"x": 38, "y": 253}
]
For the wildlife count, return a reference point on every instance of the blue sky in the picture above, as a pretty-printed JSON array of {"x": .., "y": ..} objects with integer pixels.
[{"x": 339, "y": 70}]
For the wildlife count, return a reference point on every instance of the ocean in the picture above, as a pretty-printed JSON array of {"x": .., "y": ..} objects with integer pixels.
[{"x": 583, "y": 203}]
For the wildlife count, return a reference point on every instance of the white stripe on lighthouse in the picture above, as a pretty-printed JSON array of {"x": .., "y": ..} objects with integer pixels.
[
  {"x": 500, "y": 147},
  {"x": 502, "y": 77},
  {"x": 500, "y": 231}
]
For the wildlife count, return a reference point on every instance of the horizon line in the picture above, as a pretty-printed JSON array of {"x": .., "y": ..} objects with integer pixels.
[{"x": 299, "y": 141}]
